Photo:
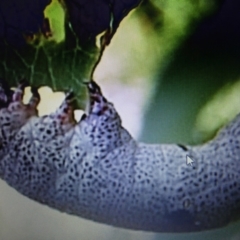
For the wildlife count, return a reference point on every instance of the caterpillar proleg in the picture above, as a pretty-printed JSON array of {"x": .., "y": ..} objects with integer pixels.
[{"x": 95, "y": 169}]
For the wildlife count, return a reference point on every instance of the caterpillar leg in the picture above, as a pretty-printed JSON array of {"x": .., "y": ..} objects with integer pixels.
[
  {"x": 14, "y": 114},
  {"x": 5, "y": 94},
  {"x": 101, "y": 125},
  {"x": 65, "y": 113},
  {"x": 56, "y": 124},
  {"x": 38, "y": 151},
  {"x": 98, "y": 103}
]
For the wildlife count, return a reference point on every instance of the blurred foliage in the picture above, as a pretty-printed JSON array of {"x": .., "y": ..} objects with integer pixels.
[
  {"x": 207, "y": 60},
  {"x": 171, "y": 21},
  {"x": 218, "y": 111}
]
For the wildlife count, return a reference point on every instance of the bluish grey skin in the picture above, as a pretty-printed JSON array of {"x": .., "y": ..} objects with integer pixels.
[{"x": 96, "y": 170}]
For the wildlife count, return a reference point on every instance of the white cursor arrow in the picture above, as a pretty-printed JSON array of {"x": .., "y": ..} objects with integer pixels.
[{"x": 189, "y": 160}]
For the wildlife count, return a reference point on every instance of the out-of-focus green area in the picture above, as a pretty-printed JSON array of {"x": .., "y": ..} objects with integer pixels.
[
  {"x": 198, "y": 59},
  {"x": 218, "y": 111},
  {"x": 56, "y": 15},
  {"x": 171, "y": 21}
]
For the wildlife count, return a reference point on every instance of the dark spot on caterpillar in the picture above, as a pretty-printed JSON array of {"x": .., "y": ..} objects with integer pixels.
[{"x": 183, "y": 147}]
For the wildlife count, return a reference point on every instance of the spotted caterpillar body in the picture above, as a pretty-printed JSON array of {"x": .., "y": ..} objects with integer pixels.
[{"x": 95, "y": 169}]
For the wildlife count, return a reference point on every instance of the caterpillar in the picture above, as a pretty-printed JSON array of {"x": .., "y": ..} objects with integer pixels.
[{"x": 95, "y": 169}]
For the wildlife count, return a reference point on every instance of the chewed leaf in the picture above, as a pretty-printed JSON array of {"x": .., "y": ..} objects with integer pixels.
[
  {"x": 90, "y": 18},
  {"x": 29, "y": 48},
  {"x": 95, "y": 169},
  {"x": 19, "y": 19}
]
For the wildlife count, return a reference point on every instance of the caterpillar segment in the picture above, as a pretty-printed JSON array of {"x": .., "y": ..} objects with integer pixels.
[{"x": 95, "y": 169}]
